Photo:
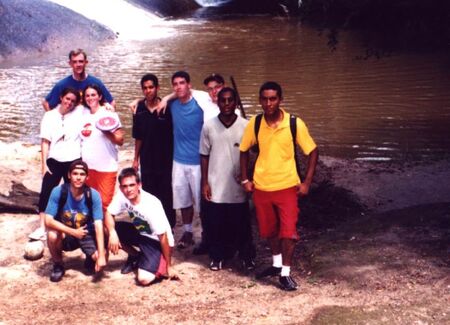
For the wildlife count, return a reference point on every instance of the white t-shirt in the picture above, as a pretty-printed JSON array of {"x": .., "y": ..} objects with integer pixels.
[
  {"x": 63, "y": 132},
  {"x": 147, "y": 216},
  {"x": 221, "y": 144},
  {"x": 210, "y": 109},
  {"x": 97, "y": 150}
]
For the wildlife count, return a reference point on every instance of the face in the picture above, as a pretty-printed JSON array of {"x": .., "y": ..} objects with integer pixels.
[
  {"x": 77, "y": 177},
  {"x": 227, "y": 103},
  {"x": 130, "y": 187},
  {"x": 270, "y": 101},
  {"x": 213, "y": 88},
  {"x": 68, "y": 101},
  {"x": 78, "y": 64},
  {"x": 92, "y": 98},
  {"x": 181, "y": 87},
  {"x": 149, "y": 90}
]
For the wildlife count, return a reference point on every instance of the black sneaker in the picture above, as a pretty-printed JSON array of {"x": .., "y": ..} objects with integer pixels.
[
  {"x": 200, "y": 249},
  {"x": 288, "y": 283},
  {"x": 270, "y": 271},
  {"x": 57, "y": 273},
  {"x": 89, "y": 265},
  {"x": 130, "y": 265},
  {"x": 248, "y": 264},
  {"x": 215, "y": 265}
]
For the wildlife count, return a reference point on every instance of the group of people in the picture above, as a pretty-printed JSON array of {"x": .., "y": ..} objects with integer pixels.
[{"x": 191, "y": 154}]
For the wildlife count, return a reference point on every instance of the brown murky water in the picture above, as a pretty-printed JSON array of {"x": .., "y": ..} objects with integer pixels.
[{"x": 395, "y": 108}]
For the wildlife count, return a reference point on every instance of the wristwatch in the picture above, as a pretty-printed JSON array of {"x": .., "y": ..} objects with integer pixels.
[{"x": 245, "y": 181}]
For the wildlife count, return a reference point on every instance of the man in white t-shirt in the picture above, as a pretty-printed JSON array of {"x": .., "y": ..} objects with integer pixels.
[
  {"x": 150, "y": 230},
  {"x": 226, "y": 210}
]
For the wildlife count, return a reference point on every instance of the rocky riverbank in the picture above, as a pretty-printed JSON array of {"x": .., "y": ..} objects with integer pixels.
[{"x": 374, "y": 249}]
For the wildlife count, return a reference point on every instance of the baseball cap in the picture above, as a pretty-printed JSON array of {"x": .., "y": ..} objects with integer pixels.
[{"x": 78, "y": 164}]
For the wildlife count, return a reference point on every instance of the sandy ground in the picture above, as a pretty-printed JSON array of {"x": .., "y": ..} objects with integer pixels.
[{"x": 375, "y": 249}]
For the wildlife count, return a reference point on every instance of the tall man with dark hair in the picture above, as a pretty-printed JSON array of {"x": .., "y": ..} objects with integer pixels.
[
  {"x": 79, "y": 80},
  {"x": 226, "y": 209},
  {"x": 153, "y": 149},
  {"x": 187, "y": 118},
  {"x": 276, "y": 184},
  {"x": 149, "y": 230},
  {"x": 74, "y": 219}
]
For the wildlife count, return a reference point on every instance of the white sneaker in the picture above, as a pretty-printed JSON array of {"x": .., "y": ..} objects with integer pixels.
[{"x": 38, "y": 234}]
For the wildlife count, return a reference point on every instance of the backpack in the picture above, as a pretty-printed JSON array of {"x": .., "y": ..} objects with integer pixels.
[
  {"x": 63, "y": 199},
  {"x": 293, "y": 127}
]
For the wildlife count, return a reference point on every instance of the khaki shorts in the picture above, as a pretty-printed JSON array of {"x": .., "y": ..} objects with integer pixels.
[{"x": 186, "y": 186}]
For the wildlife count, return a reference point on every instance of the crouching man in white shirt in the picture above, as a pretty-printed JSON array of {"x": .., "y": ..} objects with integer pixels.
[{"x": 149, "y": 230}]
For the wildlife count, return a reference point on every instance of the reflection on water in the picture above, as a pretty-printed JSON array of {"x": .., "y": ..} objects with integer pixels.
[{"x": 394, "y": 108}]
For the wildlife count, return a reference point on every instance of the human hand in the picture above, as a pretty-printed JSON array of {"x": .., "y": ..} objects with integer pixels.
[
  {"x": 114, "y": 243},
  {"x": 133, "y": 106},
  {"x": 135, "y": 164},
  {"x": 109, "y": 107},
  {"x": 100, "y": 263},
  {"x": 80, "y": 232},
  {"x": 206, "y": 192},
  {"x": 302, "y": 189},
  {"x": 161, "y": 107},
  {"x": 249, "y": 187}
]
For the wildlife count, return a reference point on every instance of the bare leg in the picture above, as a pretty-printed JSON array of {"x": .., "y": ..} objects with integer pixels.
[
  {"x": 187, "y": 214},
  {"x": 54, "y": 241}
]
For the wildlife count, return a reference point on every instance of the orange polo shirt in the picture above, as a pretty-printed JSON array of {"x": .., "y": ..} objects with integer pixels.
[{"x": 275, "y": 167}]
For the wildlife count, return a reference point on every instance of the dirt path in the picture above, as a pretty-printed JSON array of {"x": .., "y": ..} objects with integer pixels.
[{"x": 360, "y": 261}]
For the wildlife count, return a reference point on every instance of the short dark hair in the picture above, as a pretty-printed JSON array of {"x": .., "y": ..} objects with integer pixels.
[
  {"x": 79, "y": 164},
  {"x": 181, "y": 74},
  {"x": 271, "y": 85},
  {"x": 97, "y": 89},
  {"x": 149, "y": 77},
  {"x": 226, "y": 90},
  {"x": 77, "y": 52},
  {"x": 129, "y": 172},
  {"x": 214, "y": 77},
  {"x": 70, "y": 90}
]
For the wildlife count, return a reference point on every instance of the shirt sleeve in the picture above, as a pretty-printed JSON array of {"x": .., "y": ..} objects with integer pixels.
[
  {"x": 106, "y": 94},
  {"x": 115, "y": 207},
  {"x": 45, "y": 127},
  {"x": 52, "y": 205},
  {"x": 53, "y": 96},
  {"x": 97, "y": 210},
  {"x": 304, "y": 139},
  {"x": 248, "y": 139},
  {"x": 205, "y": 144},
  {"x": 158, "y": 223}
]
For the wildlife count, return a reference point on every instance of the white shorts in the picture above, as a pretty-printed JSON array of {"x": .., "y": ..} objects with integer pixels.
[{"x": 186, "y": 186}]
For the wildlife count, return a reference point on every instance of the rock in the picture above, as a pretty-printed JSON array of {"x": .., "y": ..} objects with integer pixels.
[{"x": 32, "y": 26}]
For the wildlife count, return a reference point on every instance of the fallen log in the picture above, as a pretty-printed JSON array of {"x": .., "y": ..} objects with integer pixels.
[{"x": 20, "y": 200}]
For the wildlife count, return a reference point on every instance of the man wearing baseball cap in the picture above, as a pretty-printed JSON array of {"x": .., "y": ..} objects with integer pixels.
[{"x": 74, "y": 219}]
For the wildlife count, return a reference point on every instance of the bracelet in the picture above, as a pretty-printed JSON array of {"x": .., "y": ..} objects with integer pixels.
[{"x": 245, "y": 181}]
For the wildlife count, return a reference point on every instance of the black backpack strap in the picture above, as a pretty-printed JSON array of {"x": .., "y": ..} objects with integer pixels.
[
  {"x": 293, "y": 126},
  {"x": 257, "y": 125},
  {"x": 88, "y": 199},
  {"x": 62, "y": 200}
]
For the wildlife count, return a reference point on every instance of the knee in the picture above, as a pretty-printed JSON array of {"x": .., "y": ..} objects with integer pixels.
[
  {"x": 144, "y": 277},
  {"x": 53, "y": 236}
]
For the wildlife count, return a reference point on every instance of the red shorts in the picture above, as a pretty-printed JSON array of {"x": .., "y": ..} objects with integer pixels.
[
  {"x": 277, "y": 213},
  {"x": 104, "y": 183}
]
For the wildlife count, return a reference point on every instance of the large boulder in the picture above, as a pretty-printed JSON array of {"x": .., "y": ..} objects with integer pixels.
[{"x": 30, "y": 26}]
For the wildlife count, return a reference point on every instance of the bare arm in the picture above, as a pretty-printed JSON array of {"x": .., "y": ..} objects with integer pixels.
[
  {"x": 45, "y": 105},
  {"x": 206, "y": 189},
  {"x": 99, "y": 235},
  {"x": 115, "y": 137},
  {"x": 243, "y": 159},
  {"x": 113, "y": 240},
  {"x": 45, "y": 145},
  {"x": 166, "y": 251},
  {"x": 164, "y": 101},
  {"x": 310, "y": 170},
  {"x": 137, "y": 153}
]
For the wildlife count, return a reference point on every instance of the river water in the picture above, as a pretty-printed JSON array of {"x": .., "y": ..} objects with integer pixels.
[{"x": 394, "y": 108}]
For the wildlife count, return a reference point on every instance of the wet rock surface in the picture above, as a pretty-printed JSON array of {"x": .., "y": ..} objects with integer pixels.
[{"x": 31, "y": 26}]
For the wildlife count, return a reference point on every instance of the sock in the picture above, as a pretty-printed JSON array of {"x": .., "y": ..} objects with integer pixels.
[
  {"x": 285, "y": 270},
  {"x": 277, "y": 260},
  {"x": 187, "y": 227}
]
